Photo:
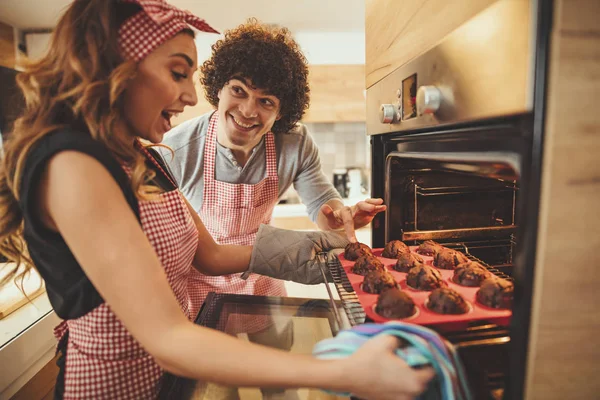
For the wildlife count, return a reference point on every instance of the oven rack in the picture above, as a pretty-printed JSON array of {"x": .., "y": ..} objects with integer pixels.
[
  {"x": 420, "y": 191},
  {"x": 465, "y": 248}
]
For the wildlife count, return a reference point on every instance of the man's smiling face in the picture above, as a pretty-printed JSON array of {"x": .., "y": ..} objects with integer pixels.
[{"x": 246, "y": 113}]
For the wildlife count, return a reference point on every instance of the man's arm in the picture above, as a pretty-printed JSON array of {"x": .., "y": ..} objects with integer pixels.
[{"x": 324, "y": 204}]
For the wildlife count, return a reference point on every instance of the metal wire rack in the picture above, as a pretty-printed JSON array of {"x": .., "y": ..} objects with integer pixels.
[{"x": 464, "y": 248}]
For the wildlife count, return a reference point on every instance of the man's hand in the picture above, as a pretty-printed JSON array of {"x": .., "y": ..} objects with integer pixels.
[{"x": 352, "y": 217}]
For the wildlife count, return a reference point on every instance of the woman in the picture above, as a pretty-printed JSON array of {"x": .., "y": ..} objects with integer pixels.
[{"x": 111, "y": 235}]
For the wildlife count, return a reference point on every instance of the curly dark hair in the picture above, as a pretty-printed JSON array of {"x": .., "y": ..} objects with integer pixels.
[{"x": 270, "y": 58}]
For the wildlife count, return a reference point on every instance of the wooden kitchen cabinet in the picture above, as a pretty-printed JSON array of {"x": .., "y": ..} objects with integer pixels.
[
  {"x": 564, "y": 346},
  {"x": 336, "y": 95},
  {"x": 398, "y": 31},
  {"x": 41, "y": 386},
  {"x": 7, "y": 46}
]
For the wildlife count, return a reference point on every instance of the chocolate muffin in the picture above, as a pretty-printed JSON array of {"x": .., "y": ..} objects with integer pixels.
[
  {"x": 394, "y": 303},
  {"x": 447, "y": 301},
  {"x": 394, "y": 248},
  {"x": 355, "y": 250},
  {"x": 470, "y": 274},
  {"x": 429, "y": 248},
  {"x": 423, "y": 277},
  {"x": 378, "y": 281},
  {"x": 366, "y": 263},
  {"x": 448, "y": 258},
  {"x": 496, "y": 293},
  {"x": 406, "y": 261}
]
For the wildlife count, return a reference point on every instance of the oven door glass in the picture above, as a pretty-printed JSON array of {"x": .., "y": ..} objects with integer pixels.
[{"x": 291, "y": 324}]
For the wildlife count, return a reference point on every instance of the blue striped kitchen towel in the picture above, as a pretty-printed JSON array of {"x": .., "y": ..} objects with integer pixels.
[{"x": 425, "y": 348}]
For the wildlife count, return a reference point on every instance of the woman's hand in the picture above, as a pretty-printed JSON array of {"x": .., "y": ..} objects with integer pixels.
[
  {"x": 377, "y": 373},
  {"x": 351, "y": 217}
]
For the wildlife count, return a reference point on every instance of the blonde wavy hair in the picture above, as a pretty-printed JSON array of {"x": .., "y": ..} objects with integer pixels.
[{"x": 79, "y": 83}]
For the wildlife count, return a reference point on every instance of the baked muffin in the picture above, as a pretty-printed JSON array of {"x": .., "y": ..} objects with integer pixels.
[
  {"x": 406, "y": 261},
  {"x": 496, "y": 293},
  {"x": 448, "y": 258},
  {"x": 394, "y": 248},
  {"x": 429, "y": 248},
  {"x": 377, "y": 281},
  {"x": 394, "y": 303},
  {"x": 355, "y": 250},
  {"x": 447, "y": 301},
  {"x": 366, "y": 263},
  {"x": 470, "y": 274},
  {"x": 423, "y": 277}
]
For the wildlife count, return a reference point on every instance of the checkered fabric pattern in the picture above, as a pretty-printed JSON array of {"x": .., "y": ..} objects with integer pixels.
[
  {"x": 232, "y": 214},
  {"x": 154, "y": 25},
  {"x": 103, "y": 360}
]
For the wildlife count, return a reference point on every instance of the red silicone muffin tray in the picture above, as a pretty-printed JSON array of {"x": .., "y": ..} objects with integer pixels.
[{"x": 424, "y": 316}]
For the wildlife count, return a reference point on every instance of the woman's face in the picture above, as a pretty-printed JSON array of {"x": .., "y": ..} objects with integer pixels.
[
  {"x": 162, "y": 87},
  {"x": 246, "y": 114}
]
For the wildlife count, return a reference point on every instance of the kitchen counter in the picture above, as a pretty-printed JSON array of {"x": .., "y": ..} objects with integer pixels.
[
  {"x": 26, "y": 333},
  {"x": 299, "y": 209},
  {"x": 28, "y": 344}
]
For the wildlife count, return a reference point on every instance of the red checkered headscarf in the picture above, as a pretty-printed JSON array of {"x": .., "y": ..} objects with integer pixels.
[{"x": 154, "y": 25}]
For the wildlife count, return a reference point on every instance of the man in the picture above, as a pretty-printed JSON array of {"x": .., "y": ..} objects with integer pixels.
[{"x": 235, "y": 163}]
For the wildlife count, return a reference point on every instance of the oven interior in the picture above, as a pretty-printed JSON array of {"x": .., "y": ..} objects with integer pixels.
[
  {"x": 467, "y": 205},
  {"x": 460, "y": 186}
]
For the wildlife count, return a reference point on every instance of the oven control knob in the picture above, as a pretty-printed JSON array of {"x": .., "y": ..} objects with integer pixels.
[
  {"x": 429, "y": 99},
  {"x": 387, "y": 113}
]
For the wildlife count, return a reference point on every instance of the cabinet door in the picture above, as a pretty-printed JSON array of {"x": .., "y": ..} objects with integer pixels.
[
  {"x": 336, "y": 94},
  {"x": 7, "y": 46},
  {"x": 564, "y": 344},
  {"x": 398, "y": 31}
]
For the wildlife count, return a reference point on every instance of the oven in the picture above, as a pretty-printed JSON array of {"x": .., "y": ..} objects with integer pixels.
[
  {"x": 456, "y": 138},
  {"x": 461, "y": 187}
]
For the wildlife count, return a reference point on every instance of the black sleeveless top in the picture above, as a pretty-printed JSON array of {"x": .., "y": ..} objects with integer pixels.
[{"x": 70, "y": 292}]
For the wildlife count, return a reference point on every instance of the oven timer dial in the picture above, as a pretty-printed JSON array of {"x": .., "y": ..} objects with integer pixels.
[
  {"x": 429, "y": 99},
  {"x": 388, "y": 113}
]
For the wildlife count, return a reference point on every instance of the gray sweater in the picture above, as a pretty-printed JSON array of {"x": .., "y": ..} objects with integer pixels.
[{"x": 298, "y": 163}]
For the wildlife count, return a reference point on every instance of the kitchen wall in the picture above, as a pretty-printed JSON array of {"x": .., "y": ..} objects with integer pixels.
[{"x": 341, "y": 145}]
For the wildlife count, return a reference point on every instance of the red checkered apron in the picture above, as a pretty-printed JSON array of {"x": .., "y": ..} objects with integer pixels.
[
  {"x": 103, "y": 360},
  {"x": 232, "y": 214}
]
